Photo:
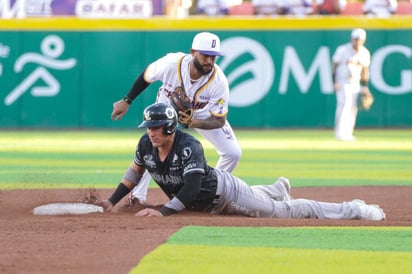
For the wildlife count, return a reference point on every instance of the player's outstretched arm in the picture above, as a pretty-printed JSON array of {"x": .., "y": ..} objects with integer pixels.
[
  {"x": 130, "y": 179},
  {"x": 122, "y": 106}
]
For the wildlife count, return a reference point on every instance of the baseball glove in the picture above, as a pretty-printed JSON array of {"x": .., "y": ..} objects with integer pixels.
[
  {"x": 366, "y": 100},
  {"x": 181, "y": 102}
]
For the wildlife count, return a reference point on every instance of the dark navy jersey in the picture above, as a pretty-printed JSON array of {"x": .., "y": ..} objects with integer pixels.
[{"x": 185, "y": 157}]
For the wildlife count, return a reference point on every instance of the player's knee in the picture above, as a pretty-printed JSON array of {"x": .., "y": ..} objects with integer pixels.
[{"x": 234, "y": 155}]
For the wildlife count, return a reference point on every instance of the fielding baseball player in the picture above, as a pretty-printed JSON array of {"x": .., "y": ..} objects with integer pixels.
[
  {"x": 205, "y": 84},
  {"x": 176, "y": 162},
  {"x": 351, "y": 76}
]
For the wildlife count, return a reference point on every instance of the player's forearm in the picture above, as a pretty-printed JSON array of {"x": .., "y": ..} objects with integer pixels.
[
  {"x": 130, "y": 179},
  {"x": 124, "y": 187},
  {"x": 208, "y": 123},
  {"x": 121, "y": 191},
  {"x": 364, "y": 77},
  {"x": 184, "y": 198},
  {"x": 138, "y": 87},
  {"x": 365, "y": 74}
]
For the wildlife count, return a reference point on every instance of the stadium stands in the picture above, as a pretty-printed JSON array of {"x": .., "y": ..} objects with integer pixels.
[
  {"x": 353, "y": 8},
  {"x": 404, "y": 8},
  {"x": 245, "y": 8}
]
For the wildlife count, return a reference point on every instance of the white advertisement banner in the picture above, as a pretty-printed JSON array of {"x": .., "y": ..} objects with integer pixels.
[{"x": 114, "y": 8}]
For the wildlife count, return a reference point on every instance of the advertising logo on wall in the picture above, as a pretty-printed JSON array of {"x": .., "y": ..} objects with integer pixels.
[
  {"x": 80, "y": 8},
  {"x": 114, "y": 8}
]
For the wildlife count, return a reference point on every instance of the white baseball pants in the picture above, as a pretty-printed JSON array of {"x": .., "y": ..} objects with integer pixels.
[{"x": 346, "y": 111}]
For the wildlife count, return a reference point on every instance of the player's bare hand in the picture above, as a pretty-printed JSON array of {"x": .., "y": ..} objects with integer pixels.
[
  {"x": 106, "y": 204},
  {"x": 149, "y": 212},
  {"x": 119, "y": 109}
]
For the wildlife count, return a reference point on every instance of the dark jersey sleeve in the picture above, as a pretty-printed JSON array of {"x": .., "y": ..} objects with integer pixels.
[
  {"x": 190, "y": 189},
  {"x": 193, "y": 158},
  {"x": 199, "y": 181},
  {"x": 138, "y": 87}
]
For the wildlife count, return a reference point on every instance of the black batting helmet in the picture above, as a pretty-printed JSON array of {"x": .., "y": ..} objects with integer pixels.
[{"x": 160, "y": 114}]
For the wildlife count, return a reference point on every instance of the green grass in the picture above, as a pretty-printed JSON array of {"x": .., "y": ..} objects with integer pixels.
[
  {"x": 396, "y": 239},
  {"x": 181, "y": 259},
  {"x": 82, "y": 159},
  {"x": 317, "y": 250}
]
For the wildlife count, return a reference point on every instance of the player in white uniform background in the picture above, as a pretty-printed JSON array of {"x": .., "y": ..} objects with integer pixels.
[
  {"x": 350, "y": 66},
  {"x": 207, "y": 86},
  {"x": 380, "y": 8}
]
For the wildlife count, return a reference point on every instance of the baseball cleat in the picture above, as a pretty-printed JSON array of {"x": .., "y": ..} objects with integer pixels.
[{"x": 370, "y": 212}]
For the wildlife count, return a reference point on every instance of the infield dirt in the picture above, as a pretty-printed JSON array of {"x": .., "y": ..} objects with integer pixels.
[{"x": 116, "y": 242}]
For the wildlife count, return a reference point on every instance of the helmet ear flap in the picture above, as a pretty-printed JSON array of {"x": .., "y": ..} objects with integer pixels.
[
  {"x": 166, "y": 130},
  {"x": 170, "y": 128}
]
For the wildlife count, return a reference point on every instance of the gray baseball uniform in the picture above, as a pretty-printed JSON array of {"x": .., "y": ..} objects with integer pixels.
[
  {"x": 239, "y": 198},
  {"x": 222, "y": 193}
]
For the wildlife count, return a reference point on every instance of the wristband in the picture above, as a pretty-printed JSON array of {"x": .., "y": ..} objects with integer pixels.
[
  {"x": 364, "y": 83},
  {"x": 127, "y": 100},
  {"x": 119, "y": 193},
  {"x": 167, "y": 211}
]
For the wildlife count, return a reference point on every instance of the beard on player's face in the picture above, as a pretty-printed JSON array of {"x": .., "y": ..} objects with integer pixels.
[{"x": 201, "y": 69}]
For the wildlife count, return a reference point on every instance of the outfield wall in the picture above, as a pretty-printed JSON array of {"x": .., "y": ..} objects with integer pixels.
[{"x": 67, "y": 72}]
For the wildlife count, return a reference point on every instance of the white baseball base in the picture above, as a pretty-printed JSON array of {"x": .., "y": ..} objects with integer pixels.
[{"x": 66, "y": 208}]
